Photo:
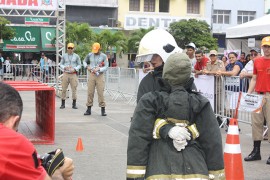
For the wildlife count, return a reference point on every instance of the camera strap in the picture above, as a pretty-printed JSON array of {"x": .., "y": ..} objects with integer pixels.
[{"x": 56, "y": 162}]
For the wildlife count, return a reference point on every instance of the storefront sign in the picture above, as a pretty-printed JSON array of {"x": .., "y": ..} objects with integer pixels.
[
  {"x": 48, "y": 38},
  {"x": 37, "y": 21},
  {"x": 26, "y": 39},
  {"x": 133, "y": 21},
  {"x": 29, "y": 4}
]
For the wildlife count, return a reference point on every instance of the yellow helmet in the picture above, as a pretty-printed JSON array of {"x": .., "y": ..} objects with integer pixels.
[{"x": 70, "y": 45}]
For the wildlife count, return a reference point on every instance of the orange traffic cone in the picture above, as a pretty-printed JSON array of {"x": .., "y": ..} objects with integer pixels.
[
  {"x": 232, "y": 153},
  {"x": 79, "y": 146}
]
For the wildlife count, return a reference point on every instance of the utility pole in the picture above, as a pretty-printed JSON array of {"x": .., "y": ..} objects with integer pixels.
[{"x": 212, "y": 15}]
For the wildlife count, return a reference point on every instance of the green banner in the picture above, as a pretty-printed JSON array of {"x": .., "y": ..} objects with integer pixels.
[
  {"x": 48, "y": 38},
  {"x": 27, "y": 39},
  {"x": 37, "y": 21}
]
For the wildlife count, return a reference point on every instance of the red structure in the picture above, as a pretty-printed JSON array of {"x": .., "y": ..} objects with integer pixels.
[{"x": 41, "y": 131}]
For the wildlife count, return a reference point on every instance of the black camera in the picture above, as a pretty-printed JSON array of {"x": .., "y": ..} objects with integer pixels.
[
  {"x": 46, "y": 160},
  {"x": 52, "y": 160}
]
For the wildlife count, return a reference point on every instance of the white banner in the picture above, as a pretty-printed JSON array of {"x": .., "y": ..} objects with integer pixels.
[
  {"x": 30, "y": 4},
  {"x": 250, "y": 102},
  {"x": 205, "y": 85}
]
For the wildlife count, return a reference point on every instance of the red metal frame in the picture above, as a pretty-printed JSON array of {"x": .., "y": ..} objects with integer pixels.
[{"x": 44, "y": 128}]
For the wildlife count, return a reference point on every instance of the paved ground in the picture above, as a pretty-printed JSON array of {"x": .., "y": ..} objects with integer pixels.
[{"x": 105, "y": 139}]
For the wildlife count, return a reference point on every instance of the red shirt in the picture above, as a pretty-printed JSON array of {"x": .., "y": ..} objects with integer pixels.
[
  {"x": 18, "y": 157},
  {"x": 262, "y": 70},
  {"x": 200, "y": 65}
]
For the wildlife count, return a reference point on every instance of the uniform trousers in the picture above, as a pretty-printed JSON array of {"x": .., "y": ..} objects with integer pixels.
[
  {"x": 99, "y": 82},
  {"x": 71, "y": 79},
  {"x": 258, "y": 120}
]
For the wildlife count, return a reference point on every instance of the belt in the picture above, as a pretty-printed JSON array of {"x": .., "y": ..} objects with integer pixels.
[
  {"x": 71, "y": 73},
  {"x": 263, "y": 92}
]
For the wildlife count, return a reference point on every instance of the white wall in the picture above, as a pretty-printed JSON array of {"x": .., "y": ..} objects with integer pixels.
[
  {"x": 97, "y": 3},
  {"x": 234, "y": 6}
]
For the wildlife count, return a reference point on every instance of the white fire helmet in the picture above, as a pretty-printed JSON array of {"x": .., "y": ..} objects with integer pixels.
[{"x": 157, "y": 41}]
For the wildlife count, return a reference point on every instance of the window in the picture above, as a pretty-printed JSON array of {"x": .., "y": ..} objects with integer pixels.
[
  {"x": 245, "y": 16},
  {"x": 149, "y": 5},
  {"x": 134, "y": 5},
  {"x": 221, "y": 16},
  {"x": 164, "y": 5},
  {"x": 193, "y": 6}
]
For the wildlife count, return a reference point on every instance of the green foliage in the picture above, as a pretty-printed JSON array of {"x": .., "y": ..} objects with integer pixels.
[
  {"x": 112, "y": 41},
  {"x": 6, "y": 32},
  {"x": 83, "y": 37},
  {"x": 135, "y": 38},
  {"x": 192, "y": 30}
]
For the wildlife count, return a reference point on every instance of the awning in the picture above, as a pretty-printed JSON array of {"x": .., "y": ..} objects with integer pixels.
[{"x": 31, "y": 39}]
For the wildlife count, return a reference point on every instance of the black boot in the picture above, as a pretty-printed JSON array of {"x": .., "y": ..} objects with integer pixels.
[
  {"x": 254, "y": 155},
  {"x": 88, "y": 111},
  {"x": 74, "y": 104},
  {"x": 62, "y": 105},
  {"x": 103, "y": 113},
  {"x": 268, "y": 160}
]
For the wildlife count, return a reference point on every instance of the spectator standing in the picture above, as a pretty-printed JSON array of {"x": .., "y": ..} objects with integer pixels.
[
  {"x": 18, "y": 156},
  {"x": 260, "y": 83},
  {"x": 190, "y": 51},
  {"x": 8, "y": 65},
  {"x": 71, "y": 64},
  {"x": 114, "y": 64},
  {"x": 212, "y": 67},
  {"x": 44, "y": 68},
  {"x": 233, "y": 68},
  {"x": 243, "y": 59},
  {"x": 131, "y": 64},
  {"x": 1, "y": 65},
  {"x": 94, "y": 62},
  {"x": 201, "y": 63},
  {"x": 224, "y": 60}
]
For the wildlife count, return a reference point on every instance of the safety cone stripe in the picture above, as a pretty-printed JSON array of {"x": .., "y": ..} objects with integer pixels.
[
  {"x": 232, "y": 139},
  {"x": 233, "y": 130},
  {"x": 232, "y": 148}
]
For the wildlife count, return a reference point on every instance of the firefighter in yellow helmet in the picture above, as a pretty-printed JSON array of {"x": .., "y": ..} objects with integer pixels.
[{"x": 70, "y": 64}]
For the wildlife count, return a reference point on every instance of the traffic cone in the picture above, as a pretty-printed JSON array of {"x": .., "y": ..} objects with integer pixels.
[
  {"x": 79, "y": 146},
  {"x": 232, "y": 153}
]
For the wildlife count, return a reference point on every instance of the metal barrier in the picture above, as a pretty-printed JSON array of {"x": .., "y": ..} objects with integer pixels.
[
  {"x": 123, "y": 83},
  {"x": 227, "y": 98}
]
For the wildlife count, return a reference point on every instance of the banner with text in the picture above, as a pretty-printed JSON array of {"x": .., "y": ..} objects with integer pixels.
[
  {"x": 205, "y": 85},
  {"x": 30, "y": 4}
]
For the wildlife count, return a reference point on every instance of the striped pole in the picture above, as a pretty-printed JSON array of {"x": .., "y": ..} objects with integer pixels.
[{"x": 232, "y": 153}]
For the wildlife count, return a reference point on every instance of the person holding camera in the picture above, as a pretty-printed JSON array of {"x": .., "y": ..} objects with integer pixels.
[
  {"x": 18, "y": 156},
  {"x": 96, "y": 63}
]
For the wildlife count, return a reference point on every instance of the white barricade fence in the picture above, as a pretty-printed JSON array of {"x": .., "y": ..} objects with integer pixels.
[
  {"x": 30, "y": 72},
  {"x": 128, "y": 85},
  {"x": 112, "y": 81}
]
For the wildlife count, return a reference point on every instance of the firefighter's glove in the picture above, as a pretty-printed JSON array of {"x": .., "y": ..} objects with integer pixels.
[
  {"x": 179, "y": 144},
  {"x": 179, "y": 133}
]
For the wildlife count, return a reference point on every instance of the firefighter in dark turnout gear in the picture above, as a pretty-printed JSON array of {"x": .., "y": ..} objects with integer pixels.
[{"x": 159, "y": 147}]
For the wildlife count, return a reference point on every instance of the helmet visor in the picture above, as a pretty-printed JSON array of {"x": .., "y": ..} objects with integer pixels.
[{"x": 144, "y": 58}]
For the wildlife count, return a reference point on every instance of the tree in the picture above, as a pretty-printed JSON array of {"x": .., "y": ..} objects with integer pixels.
[
  {"x": 135, "y": 38},
  {"x": 192, "y": 30},
  {"x": 82, "y": 36},
  {"x": 112, "y": 40},
  {"x": 6, "y": 32}
]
